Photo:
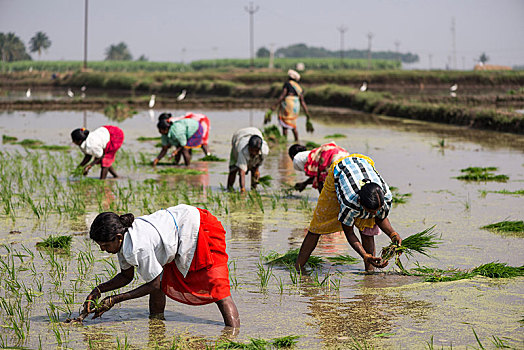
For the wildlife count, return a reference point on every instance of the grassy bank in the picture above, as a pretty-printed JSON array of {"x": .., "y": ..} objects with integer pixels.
[{"x": 236, "y": 88}]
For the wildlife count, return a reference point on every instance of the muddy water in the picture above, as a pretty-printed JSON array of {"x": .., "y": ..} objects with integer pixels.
[{"x": 384, "y": 310}]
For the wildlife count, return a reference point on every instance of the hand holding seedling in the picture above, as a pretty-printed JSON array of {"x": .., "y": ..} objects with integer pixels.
[
  {"x": 105, "y": 305},
  {"x": 86, "y": 169},
  {"x": 375, "y": 261},
  {"x": 155, "y": 162}
]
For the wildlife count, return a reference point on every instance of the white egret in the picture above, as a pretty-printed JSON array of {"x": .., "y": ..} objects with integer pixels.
[
  {"x": 28, "y": 93},
  {"x": 152, "y": 101},
  {"x": 453, "y": 87},
  {"x": 182, "y": 95},
  {"x": 70, "y": 93},
  {"x": 364, "y": 86}
]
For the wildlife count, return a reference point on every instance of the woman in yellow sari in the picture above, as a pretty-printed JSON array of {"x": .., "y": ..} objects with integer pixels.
[
  {"x": 289, "y": 102},
  {"x": 354, "y": 195}
]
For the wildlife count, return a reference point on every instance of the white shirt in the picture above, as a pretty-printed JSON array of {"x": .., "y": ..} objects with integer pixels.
[
  {"x": 96, "y": 142},
  {"x": 240, "y": 151},
  {"x": 157, "y": 239},
  {"x": 300, "y": 160}
]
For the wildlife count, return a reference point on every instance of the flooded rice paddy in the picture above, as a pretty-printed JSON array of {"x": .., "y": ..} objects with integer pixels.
[{"x": 336, "y": 306}]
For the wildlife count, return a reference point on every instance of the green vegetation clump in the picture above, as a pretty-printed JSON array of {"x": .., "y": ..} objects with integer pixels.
[
  {"x": 481, "y": 174},
  {"x": 398, "y": 198},
  {"x": 311, "y": 145},
  {"x": 289, "y": 259},
  {"x": 272, "y": 134},
  {"x": 335, "y": 136},
  {"x": 180, "y": 171},
  {"x": 506, "y": 226},
  {"x": 56, "y": 242},
  {"x": 149, "y": 138},
  {"x": 265, "y": 180},
  {"x": 7, "y": 138},
  {"x": 343, "y": 260},
  {"x": 30, "y": 143},
  {"x": 212, "y": 158},
  {"x": 490, "y": 270},
  {"x": 261, "y": 344},
  {"x": 54, "y": 148}
]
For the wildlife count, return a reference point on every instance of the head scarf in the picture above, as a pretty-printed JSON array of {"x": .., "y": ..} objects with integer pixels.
[{"x": 293, "y": 74}]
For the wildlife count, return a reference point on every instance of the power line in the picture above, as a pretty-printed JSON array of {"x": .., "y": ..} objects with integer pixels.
[{"x": 342, "y": 29}]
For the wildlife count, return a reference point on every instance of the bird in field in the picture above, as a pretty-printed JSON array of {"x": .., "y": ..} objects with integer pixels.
[
  {"x": 182, "y": 95},
  {"x": 152, "y": 101},
  {"x": 28, "y": 93},
  {"x": 453, "y": 90},
  {"x": 364, "y": 86},
  {"x": 70, "y": 93}
]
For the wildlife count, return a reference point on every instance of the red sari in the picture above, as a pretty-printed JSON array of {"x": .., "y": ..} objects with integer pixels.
[
  {"x": 208, "y": 278},
  {"x": 319, "y": 160},
  {"x": 116, "y": 138}
]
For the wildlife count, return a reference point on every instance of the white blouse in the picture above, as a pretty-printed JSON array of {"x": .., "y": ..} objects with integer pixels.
[
  {"x": 157, "y": 239},
  {"x": 300, "y": 160},
  {"x": 96, "y": 142}
]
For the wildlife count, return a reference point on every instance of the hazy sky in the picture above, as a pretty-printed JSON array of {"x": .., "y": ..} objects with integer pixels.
[{"x": 174, "y": 30}]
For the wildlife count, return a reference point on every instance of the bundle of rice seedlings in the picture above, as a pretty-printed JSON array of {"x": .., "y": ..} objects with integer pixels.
[
  {"x": 265, "y": 180},
  {"x": 309, "y": 125},
  {"x": 506, "y": 226},
  {"x": 212, "y": 158},
  {"x": 56, "y": 242},
  {"x": 310, "y": 145},
  {"x": 482, "y": 174},
  {"x": 289, "y": 259},
  {"x": 417, "y": 243},
  {"x": 343, "y": 260},
  {"x": 498, "y": 270}
]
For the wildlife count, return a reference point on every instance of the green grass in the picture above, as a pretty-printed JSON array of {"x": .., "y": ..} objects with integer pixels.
[
  {"x": 335, "y": 136},
  {"x": 180, "y": 171},
  {"x": 481, "y": 174},
  {"x": 506, "y": 226},
  {"x": 212, "y": 158},
  {"x": 56, "y": 242}
]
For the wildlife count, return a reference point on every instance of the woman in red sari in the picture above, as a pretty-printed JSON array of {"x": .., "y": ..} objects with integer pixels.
[
  {"x": 315, "y": 163},
  {"x": 179, "y": 252}
]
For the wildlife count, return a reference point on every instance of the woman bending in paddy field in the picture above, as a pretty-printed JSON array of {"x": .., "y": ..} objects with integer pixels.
[
  {"x": 102, "y": 143},
  {"x": 179, "y": 252},
  {"x": 185, "y": 134},
  {"x": 354, "y": 194}
]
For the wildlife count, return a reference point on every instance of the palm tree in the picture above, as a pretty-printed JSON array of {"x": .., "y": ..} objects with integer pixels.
[
  {"x": 118, "y": 52},
  {"x": 40, "y": 41},
  {"x": 12, "y": 48}
]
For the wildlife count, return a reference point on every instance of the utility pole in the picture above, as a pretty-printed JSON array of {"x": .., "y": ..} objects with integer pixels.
[
  {"x": 370, "y": 36},
  {"x": 453, "y": 43},
  {"x": 251, "y": 10},
  {"x": 85, "y": 35},
  {"x": 342, "y": 29},
  {"x": 397, "y": 45}
]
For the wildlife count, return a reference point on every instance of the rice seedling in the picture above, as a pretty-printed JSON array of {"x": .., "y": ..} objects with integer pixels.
[
  {"x": 272, "y": 134},
  {"x": 343, "y": 260},
  {"x": 179, "y": 171},
  {"x": 335, "y": 136},
  {"x": 417, "y": 243},
  {"x": 517, "y": 192},
  {"x": 398, "y": 198},
  {"x": 212, "y": 158},
  {"x": 260, "y": 344},
  {"x": 30, "y": 143},
  {"x": 280, "y": 284},
  {"x": 124, "y": 345},
  {"x": 498, "y": 270},
  {"x": 264, "y": 275},
  {"x": 289, "y": 258},
  {"x": 481, "y": 174},
  {"x": 285, "y": 342},
  {"x": 56, "y": 242},
  {"x": 232, "y": 266},
  {"x": 506, "y": 226}
]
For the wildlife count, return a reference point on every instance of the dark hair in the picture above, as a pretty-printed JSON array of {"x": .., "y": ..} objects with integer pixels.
[
  {"x": 164, "y": 116},
  {"x": 108, "y": 224},
  {"x": 371, "y": 195},
  {"x": 294, "y": 149},
  {"x": 255, "y": 142},
  {"x": 79, "y": 134},
  {"x": 163, "y": 124}
]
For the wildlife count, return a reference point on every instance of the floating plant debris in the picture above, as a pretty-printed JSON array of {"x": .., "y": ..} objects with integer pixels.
[{"x": 482, "y": 174}]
